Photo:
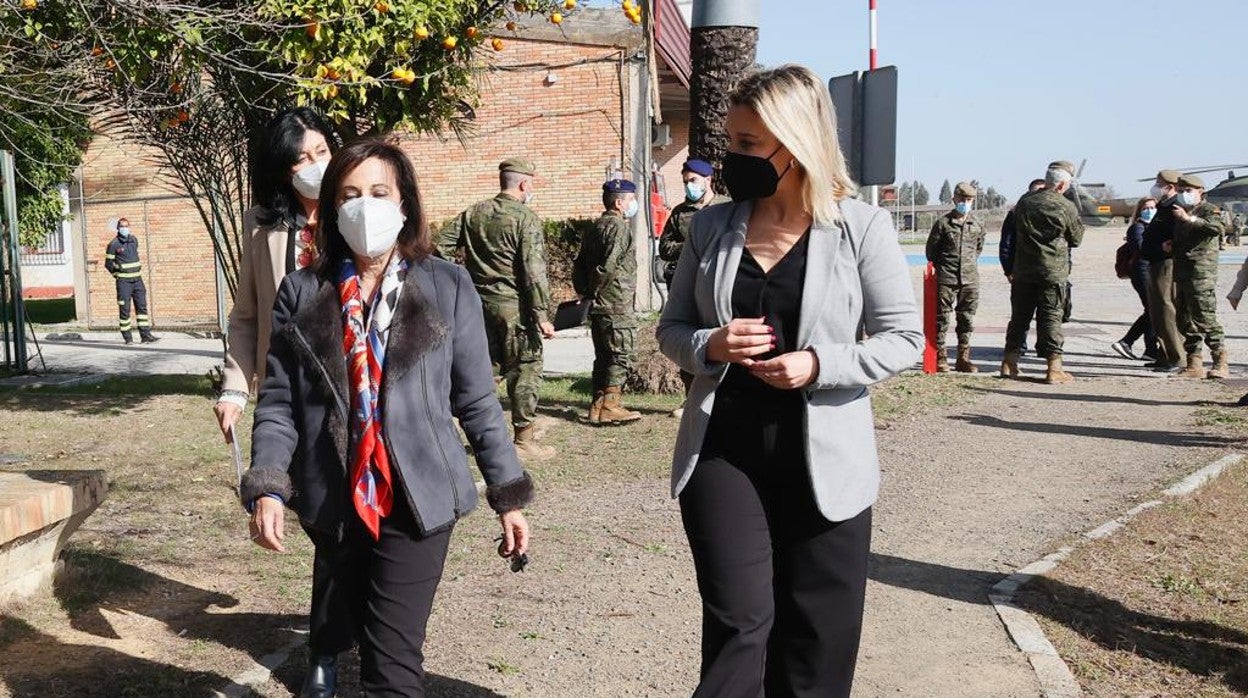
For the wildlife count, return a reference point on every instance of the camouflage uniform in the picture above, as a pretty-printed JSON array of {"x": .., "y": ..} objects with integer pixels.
[
  {"x": 676, "y": 231},
  {"x": 1195, "y": 253},
  {"x": 606, "y": 271},
  {"x": 504, "y": 251},
  {"x": 1047, "y": 225},
  {"x": 953, "y": 247},
  {"x": 1237, "y": 229}
]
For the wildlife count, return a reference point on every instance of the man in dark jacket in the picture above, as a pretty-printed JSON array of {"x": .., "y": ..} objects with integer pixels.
[
  {"x": 1158, "y": 237},
  {"x": 121, "y": 259}
]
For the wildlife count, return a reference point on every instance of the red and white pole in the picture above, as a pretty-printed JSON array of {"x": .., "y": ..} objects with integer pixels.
[{"x": 874, "y": 24}]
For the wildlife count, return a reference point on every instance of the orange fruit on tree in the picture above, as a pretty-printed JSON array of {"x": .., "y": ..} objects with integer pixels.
[
  {"x": 569, "y": 4},
  {"x": 398, "y": 73},
  {"x": 382, "y": 6},
  {"x": 96, "y": 51},
  {"x": 449, "y": 43},
  {"x": 511, "y": 26},
  {"x": 471, "y": 32},
  {"x": 176, "y": 88},
  {"x": 497, "y": 44},
  {"x": 521, "y": 6},
  {"x": 556, "y": 18},
  {"x": 313, "y": 29},
  {"x": 30, "y": 4},
  {"x": 422, "y": 32},
  {"x": 332, "y": 92}
]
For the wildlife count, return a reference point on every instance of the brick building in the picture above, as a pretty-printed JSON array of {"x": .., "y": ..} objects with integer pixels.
[{"x": 579, "y": 100}]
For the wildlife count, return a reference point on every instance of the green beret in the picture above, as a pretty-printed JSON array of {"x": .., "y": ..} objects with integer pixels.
[
  {"x": 964, "y": 189},
  {"x": 1191, "y": 180},
  {"x": 518, "y": 165},
  {"x": 1063, "y": 165},
  {"x": 1169, "y": 176}
]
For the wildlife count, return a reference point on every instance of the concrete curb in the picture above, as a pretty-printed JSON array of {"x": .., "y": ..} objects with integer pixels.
[{"x": 1055, "y": 677}]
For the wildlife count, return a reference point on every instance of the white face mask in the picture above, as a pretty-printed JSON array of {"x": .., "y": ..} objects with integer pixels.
[
  {"x": 1158, "y": 192},
  {"x": 370, "y": 225},
  {"x": 1188, "y": 198},
  {"x": 308, "y": 180},
  {"x": 632, "y": 209}
]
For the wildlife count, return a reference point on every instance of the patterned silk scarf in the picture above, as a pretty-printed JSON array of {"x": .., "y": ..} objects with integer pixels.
[{"x": 372, "y": 484}]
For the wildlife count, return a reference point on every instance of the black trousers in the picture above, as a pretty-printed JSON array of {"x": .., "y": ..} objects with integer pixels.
[
  {"x": 1143, "y": 325},
  {"x": 379, "y": 593},
  {"x": 136, "y": 290},
  {"x": 782, "y": 587}
]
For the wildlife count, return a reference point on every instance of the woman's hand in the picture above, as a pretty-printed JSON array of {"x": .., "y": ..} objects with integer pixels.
[
  {"x": 268, "y": 523},
  {"x": 227, "y": 415},
  {"x": 515, "y": 534},
  {"x": 797, "y": 369},
  {"x": 740, "y": 340}
]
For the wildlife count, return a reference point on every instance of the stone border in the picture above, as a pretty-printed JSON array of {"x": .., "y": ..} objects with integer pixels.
[{"x": 1055, "y": 677}]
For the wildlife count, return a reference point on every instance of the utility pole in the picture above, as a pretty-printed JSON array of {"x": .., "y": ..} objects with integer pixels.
[{"x": 872, "y": 63}]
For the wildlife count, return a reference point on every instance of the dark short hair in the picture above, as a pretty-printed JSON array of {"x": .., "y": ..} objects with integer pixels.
[
  {"x": 1036, "y": 184},
  {"x": 119, "y": 220},
  {"x": 270, "y": 172},
  {"x": 510, "y": 179},
  {"x": 610, "y": 197},
  {"x": 414, "y": 242}
]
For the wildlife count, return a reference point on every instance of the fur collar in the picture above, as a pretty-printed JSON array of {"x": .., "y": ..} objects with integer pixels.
[{"x": 316, "y": 333}]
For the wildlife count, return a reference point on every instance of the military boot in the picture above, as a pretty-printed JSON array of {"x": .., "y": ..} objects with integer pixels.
[
  {"x": 964, "y": 364},
  {"x": 1220, "y": 367},
  {"x": 612, "y": 411},
  {"x": 1009, "y": 365},
  {"x": 1055, "y": 375},
  {"x": 1195, "y": 367},
  {"x": 527, "y": 446},
  {"x": 942, "y": 360},
  {"x": 595, "y": 408}
]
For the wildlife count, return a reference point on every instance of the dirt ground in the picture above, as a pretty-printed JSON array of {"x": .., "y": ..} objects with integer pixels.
[{"x": 165, "y": 595}]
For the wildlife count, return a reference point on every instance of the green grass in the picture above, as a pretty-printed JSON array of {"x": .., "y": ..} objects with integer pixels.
[{"x": 51, "y": 310}]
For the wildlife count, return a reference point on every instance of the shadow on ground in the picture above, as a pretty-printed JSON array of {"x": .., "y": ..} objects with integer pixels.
[
  {"x": 1147, "y": 436},
  {"x": 1200, "y": 648}
]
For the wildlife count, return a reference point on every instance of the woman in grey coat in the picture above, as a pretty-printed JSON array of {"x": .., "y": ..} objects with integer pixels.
[
  {"x": 785, "y": 306},
  {"x": 376, "y": 350}
]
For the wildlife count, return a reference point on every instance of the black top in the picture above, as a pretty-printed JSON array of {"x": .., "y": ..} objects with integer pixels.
[
  {"x": 775, "y": 296},
  {"x": 1159, "y": 230}
]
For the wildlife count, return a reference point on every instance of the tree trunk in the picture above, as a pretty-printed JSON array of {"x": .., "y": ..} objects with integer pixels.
[{"x": 721, "y": 55}]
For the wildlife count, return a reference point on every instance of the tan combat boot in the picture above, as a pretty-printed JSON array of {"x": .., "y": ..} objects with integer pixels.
[
  {"x": 1055, "y": 374},
  {"x": 942, "y": 360},
  {"x": 1220, "y": 367},
  {"x": 1009, "y": 365},
  {"x": 527, "y": 446},
  {"x": 612, "y": 411},
  {"x": 964, "y": 364},
  {"x": 1195, "y": 367},
  {"x": 595, "y": 408}
]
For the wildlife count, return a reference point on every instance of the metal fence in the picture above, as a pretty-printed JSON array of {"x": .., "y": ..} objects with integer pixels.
[{"x": 51, "y": 253}]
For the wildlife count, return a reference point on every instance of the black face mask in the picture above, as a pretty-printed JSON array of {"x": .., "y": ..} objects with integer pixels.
[{"x": 750, "y": 177}]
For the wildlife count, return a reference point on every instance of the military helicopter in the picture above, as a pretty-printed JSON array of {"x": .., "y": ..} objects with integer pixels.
[{"x": 1094, "y": 210}]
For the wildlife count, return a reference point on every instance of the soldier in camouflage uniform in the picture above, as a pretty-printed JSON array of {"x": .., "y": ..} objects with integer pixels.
[
  {"x": 1046, "y": 227},
  {"x": 1237, "y": 229},
  {"x": 504, "y": 251},
  {"x": 606, "y": 271},
  {"x": 953, "y": 247},
  {"x": 699, "y": 194},
  {"x": 1198, "y": 229}
]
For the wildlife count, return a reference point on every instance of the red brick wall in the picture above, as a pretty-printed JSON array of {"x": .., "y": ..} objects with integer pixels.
[
  {"x": 570, "y": 129},
  {"x": 672, "y": 157},
  {"x": 120, "y": 179}
]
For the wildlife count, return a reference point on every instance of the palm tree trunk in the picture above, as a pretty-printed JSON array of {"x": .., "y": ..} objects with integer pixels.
[{"x": 721, "y": 55}]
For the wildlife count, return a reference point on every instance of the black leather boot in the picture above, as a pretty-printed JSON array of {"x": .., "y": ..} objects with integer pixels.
[{"x": 321, "y": 678}]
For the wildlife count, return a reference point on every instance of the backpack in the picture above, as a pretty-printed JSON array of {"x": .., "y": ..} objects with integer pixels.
[{"x": 1124, "y": 259}]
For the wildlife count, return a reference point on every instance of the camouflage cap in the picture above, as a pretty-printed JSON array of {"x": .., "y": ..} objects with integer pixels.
[
  {"x": 618, "y": 186},
  {"x": 1169, "y": 176},
  {"x": 964, "y": 189},
  {"x": 1191, "y": 180},
  {"x": 1063, "y": 165},
  {"x": 519, "y": 166}
]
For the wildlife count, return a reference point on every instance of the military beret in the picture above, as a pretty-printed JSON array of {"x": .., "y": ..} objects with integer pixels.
[
  {"x": 518, "y": 165},
  {"x": 699, "y": 167},
  {"x": 964, "y": 189},
  {"x": 1169, "y": 176},
  {"x": 1191, "y": 180},
  {"x": 618, "y": 186},
  {"x": 1063, "y": 165}
]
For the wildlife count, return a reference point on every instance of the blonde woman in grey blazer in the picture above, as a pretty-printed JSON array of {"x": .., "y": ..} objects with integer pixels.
[{"x": 785, "y": 306}]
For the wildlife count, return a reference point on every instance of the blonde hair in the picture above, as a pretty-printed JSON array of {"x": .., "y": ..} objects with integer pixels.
[{"x": 795, "y": 106}]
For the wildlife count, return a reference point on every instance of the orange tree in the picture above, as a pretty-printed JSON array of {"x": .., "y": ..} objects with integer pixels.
[{"x": 196, "y": 80}]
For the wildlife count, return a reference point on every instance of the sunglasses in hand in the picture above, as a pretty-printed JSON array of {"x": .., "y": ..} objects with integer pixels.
[{"x": 518, "y": 562}]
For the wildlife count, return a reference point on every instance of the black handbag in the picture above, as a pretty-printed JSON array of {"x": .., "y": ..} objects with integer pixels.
[{"x": 572, "y": 313}]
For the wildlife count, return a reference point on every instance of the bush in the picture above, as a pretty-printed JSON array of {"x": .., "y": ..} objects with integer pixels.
[{"x": 563, "y": 240}]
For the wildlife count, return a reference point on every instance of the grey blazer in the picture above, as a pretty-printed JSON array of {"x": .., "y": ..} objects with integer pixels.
[{"x": 858, "y": 316}]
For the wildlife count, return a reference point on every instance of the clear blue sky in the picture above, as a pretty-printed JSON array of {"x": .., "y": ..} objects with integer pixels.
[{"x": 995, "y": 89}]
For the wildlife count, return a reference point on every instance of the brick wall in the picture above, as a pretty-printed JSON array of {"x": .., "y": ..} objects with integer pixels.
[
  {"x": 119, "y": 179},
  {"x": 672, "y": 157}
]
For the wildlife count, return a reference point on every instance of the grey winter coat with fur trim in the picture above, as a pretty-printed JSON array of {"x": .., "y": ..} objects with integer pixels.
[{"x": 437, "y": 369}]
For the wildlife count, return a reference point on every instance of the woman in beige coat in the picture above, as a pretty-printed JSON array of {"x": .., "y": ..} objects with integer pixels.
[{"x": 279, "y": 238}]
